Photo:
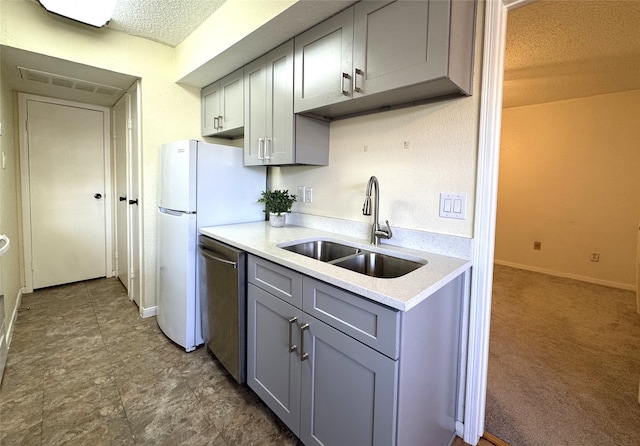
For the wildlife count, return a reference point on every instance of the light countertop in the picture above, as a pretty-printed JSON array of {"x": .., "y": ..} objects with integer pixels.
[{"x": 402, "y": 293}]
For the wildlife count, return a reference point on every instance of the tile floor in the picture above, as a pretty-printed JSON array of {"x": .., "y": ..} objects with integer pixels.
[{"x": 84, "y": 368}]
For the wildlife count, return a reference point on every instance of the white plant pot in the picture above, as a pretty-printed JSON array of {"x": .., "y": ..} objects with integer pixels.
[{"x": 277, "y": 221}]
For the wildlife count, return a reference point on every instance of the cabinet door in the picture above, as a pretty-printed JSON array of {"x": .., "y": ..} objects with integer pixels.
[
  {"x": 399, "y": 43},
  {"x": 273, "y": 369},
  {"x": 231, "y": 102},
  {"x": 348, "y": 390},
  {"x": 323, "y": 60},
  {"x": 279, "y": 144},
  {"x": 210, "y": 103},
  {"x": 269, "y": 118},
  {"x": 255, "y": 111}
]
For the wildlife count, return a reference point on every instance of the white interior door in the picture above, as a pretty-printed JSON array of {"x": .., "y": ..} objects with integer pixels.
[
  {"x": 120, "y": 137},
  {"x": 134, "y": 188},
  {"x": 66, "y": 183}
]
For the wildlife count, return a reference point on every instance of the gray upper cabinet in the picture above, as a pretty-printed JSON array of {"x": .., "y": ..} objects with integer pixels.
[
  {"x": 390, "y": 53},
  {"x": 323, "y": 60},
  {"x": 273, "y": 135},
  {"x": 223, "y": 106}
]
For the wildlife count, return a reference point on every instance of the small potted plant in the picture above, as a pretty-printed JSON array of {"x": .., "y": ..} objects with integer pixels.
[{"x": 277, "y": 203}]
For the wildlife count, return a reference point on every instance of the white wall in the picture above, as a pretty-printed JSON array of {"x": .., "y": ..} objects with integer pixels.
[
  {"x": 570, "y": 178},
  {"x": 169, "y": 111},
  {"x": 9, "y": 218},
  {"x": 441, "y": 157}
]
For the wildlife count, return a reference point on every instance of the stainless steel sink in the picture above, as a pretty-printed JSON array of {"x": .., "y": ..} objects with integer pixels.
[
  {"x": 374, "y": 264},
  {"x": 323, "y": 250},
  {"x": 378, "y": 265}
]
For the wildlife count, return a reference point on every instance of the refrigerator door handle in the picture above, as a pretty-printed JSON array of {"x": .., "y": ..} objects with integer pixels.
[
  {"x": 172, "y": 213},
  {"x": 205, "y": 252}
]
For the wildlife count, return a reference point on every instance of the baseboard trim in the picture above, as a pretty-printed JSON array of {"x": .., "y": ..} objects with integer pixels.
[
  {"x": 148, "y": 312},
  {"x": 622, "y": 286},
  {"x": 459, "y": 428},
  {"x": 14, "y": 318},
  {"x": 495, "y": 440}
]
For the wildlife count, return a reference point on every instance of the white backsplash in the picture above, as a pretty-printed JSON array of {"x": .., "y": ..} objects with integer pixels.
[{"x": 448, "y": 245}]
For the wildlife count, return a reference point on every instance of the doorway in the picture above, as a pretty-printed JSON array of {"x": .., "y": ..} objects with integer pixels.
[
  {"x": 485, "y": 218},
  {"x": 126, "y": 154},
  {"x": 65, "y": 178}
]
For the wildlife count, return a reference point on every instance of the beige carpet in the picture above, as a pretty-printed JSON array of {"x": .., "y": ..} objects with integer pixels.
[{"x": 564, "y": 362}]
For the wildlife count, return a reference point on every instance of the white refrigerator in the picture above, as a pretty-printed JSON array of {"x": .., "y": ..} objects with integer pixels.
[{"x": 200, "y": 184}]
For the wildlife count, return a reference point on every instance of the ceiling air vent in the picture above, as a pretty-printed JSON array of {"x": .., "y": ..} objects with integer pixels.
[{"x": 29, "y": 74}]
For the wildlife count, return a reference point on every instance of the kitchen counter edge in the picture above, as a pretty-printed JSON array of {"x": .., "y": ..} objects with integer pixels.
[{"x": 401, "y": 293}]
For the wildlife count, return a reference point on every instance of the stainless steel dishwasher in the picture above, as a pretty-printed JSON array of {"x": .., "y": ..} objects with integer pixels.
[{"x": 223, "y": 301}]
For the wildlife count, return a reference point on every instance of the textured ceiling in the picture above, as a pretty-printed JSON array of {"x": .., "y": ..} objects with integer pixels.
[
  {"x": 560, "y": 50},
  {"x": 556, "y": 49},
  {"x": 164, "y": 21}
]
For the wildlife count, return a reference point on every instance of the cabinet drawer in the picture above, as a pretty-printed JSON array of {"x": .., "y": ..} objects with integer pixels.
[
  {"x": 372, "y": 324},
  {"x": 275, "y": 279}
]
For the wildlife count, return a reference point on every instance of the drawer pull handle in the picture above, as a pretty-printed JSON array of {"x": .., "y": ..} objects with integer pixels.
[
  {"x": 303, "y": 355},
  {"x": 292, "y": 321}
]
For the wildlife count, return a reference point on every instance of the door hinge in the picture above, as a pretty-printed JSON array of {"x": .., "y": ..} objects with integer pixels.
[
  {"x": 132, "y": 274},
  {"x": 129, "y": 124}
]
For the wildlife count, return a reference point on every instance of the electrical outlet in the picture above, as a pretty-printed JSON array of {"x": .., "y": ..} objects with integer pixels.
[
  {"x": 594, "y": 256},
  {"x": 300, "y": 198},
  {"x": 308, "y": 194}
]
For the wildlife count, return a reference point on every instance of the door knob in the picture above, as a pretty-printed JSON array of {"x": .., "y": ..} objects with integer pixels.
[
  {"x": 133, "y": 201},
  {"x": 123, "y": 198},
  {"x": 97, "y": 196}
]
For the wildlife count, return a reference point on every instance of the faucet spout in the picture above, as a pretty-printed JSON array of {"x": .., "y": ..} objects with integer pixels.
[{"x": 376, "y": 231}]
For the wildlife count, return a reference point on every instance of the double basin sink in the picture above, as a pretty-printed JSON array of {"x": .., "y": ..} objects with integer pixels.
[{"x": 370, "y": 263}]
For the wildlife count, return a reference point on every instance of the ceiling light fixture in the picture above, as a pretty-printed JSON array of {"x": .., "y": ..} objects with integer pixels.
[{"x": 95, "y": 13}]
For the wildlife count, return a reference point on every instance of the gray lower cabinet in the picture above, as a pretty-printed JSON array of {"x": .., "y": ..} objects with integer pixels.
[
  {"x": 338, "y": 369},
  {"x": 273, "y": 368},
  {"x": 348, "y": 394},
  {"x": 379, "y": 54}
]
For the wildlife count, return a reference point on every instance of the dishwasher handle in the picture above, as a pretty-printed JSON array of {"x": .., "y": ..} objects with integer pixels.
[{"x": 205, "y": 252}]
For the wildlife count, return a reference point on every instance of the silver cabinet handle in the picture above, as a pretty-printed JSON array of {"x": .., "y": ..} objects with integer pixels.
[
  {"x": 292, "y": 321},
  {"x": 215, "y": 123},
  {"x": 359, "y": 72},
  {"x": 303, "y": 356},
  {"x": 344, "y": 92},
  {"x": 260, "y": 148},
  {"x": 267, "y": 148},
  {"x": 219, "y": 123}
]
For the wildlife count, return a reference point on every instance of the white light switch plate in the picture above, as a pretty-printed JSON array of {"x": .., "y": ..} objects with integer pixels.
[{"x": 453, "y": 206}]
